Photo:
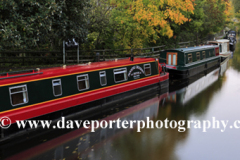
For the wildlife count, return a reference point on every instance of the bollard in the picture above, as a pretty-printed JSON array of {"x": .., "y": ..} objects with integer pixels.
[
  {"x": 132, "y": 57},
  {"x": 63, "y": 52},
  {"x": 97, "y": 57}
]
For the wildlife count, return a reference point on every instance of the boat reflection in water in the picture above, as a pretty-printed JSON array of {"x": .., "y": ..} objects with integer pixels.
[
  {"x": 193, "y": 87},
  {"x": 83, "y": 143},
  {"x": 224, "y": 66}
]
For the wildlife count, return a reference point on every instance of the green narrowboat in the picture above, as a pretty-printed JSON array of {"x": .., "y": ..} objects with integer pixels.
[{"x": 183, "y": 63}]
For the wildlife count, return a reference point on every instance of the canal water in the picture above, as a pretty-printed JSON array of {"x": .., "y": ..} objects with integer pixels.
[{"x": 206, "y": 100}]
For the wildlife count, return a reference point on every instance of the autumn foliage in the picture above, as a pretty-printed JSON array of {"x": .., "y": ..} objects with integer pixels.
[
  {"x": 229, "y": 9},
  {"x": 111, "y": 24},
  {"x": 142, "y": 21}
]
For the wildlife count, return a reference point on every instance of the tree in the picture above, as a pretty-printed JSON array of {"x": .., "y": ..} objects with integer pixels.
[
  {"x": 236, "y": 5},
  {"x": 140, "y": 22},
  {"x": 210, "y": 16},
  {"x": 100, "y": 25},
  {"x": 34, "y": 23}
]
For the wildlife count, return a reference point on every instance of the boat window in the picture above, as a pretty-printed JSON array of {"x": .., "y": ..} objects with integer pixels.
[
  {"x": 18, "y": 95},
  {"x": 169, "y": 59},
  {"x": 57, "y": 87},
  {"x": 198, "y": 56},
  {"x": 190, "y": 58},
  {"x": 83, "y": 82},
  {"x": 147, "y": 69},
  {"x": 120, "y": 74},
  {"x": 103, "y": 78},
  {"x": 172, "y": 58},
  {"x": 210, "y": 54},
  {"x": 203, "y": 55},
  {"x": 213, "y": 53}
]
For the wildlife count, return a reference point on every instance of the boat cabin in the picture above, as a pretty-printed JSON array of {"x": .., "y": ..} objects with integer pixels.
[
  {"x": 223, "y": 44},
  {"x": 186, "y": 56},
  {"x": 231, "y": 34},
  {"x": 186, "y": 62}
]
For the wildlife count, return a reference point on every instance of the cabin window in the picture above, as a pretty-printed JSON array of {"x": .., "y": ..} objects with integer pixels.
[
  {"x": 172, "y": 58},
  {"x": 103, "y": 78},
  {"x": 147, "y": 69},
  {"x": 57, "y": 87},
  {"x": 120, "y": 74},
  {"x": 220, "y": 48},
  {"x": 213, "y": 53},
  {"x": 18, "y": 95},
  {"x": 210, "y": 54},
  {"x": 169, "y": 59},
  {"x": 198, "y": 56},
  {"x": 83, "y": 82},
  {"x": 203, "y": 55},
  {"x": 189, "y": 58}
]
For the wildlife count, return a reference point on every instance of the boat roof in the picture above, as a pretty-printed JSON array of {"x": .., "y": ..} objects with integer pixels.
[
  {"x": 223, "y": 40},
  {"x": 190, "y": 49},
  {"x": 231, "y": 31},
  {"x": 57, "y": 72},
  {"x": 219, "y": 41}
]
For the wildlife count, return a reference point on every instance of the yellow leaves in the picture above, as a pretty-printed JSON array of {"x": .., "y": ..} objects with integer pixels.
[
  {"x": 141, "y": 20},
  {"x": 229, "y": 9}
]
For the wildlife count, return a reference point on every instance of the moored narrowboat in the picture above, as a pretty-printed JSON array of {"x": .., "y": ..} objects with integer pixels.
[
  {"x": 183, "y": 63},
  {"x": 34, "y": 93},
  {"x": 223, "y": 45},
  {"x": 231, "y": 35},
  {"x": 224, "y": 52}
]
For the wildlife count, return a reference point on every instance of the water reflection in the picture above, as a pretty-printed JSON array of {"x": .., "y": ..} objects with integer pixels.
[
  {"x": 84, "y": 144},
  {"x": 182, "y": 104},
  {"x": 235, "y": 62},
  {"x": 185, "y": 94}
]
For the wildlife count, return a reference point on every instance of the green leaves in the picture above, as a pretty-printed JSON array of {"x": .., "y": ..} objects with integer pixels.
[
  {"x": 210, "y": 16},
  {"x": 29, "y": 24}
]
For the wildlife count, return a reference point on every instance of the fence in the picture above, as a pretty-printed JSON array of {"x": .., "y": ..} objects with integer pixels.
[{"x": 11, "y": 60}]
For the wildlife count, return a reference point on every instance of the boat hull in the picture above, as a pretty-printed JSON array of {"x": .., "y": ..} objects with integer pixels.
[
  {"x": 90, "y": 109},
  {"x": 186, "y": 72},
  {"x": 232, "y": 47},
  {"x": 224, "y": 65}
]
